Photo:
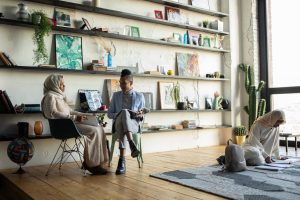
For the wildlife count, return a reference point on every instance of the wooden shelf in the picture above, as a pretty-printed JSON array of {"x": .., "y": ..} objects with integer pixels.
[
  {"x": 189, "y": 7},
  {"x": 174, "y": 110},
  {"x": 49, "y": 69},
  {"x": 115, "y": 13},
  {"x": 47, "y": 136},
  {"x": 112, "y": 35}
]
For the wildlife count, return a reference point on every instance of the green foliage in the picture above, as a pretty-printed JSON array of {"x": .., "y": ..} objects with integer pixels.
[
  {"x": 42, "y": 28},
  {"x": 205, "y": 23},
  {"x": 240, "y": 131},
  {"x": 100, "y": 117},
  {"x": 176, "y": 92},
  {"x": 252, "y": 91}
]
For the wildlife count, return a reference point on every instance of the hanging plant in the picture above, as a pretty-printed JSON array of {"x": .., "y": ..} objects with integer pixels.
[{"x": 42, "y": 28}]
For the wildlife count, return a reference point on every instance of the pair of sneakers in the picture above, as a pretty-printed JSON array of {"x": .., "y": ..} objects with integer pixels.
[{"x": 121, "y": 169}]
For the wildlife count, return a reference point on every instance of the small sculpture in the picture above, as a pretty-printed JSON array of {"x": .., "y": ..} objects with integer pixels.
[
  {"x": 221, "y": 38},
  {"x": 189, "y": 104},
  {"x": 217, "y": 103}
]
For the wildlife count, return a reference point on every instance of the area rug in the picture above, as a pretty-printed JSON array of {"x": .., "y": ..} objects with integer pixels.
[{"x": 251, "y": 184}]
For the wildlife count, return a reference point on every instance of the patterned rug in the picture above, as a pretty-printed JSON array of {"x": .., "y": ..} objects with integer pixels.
[{"x": 251, "y": 184}]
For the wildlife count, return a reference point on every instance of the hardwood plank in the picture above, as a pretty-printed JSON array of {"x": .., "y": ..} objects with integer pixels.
[{"x": 135, "y": 184}]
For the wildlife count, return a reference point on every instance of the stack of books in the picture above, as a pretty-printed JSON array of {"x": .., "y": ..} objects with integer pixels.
[
  {"x": 5, "y": 103},
  {"x": 97, "y": 65},
  {"x": 6, "y": 60},
  {"x": 189, "y": 124}
]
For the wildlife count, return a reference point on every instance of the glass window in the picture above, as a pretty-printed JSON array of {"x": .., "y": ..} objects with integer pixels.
[
  {"x": 290, "y": 104},
  {"x": 283, "y": 43}
]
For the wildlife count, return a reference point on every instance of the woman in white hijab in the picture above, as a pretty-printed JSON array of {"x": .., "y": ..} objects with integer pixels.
[
  {"x": 263, "y": 139},
  {"x": 54, "y": 105}
]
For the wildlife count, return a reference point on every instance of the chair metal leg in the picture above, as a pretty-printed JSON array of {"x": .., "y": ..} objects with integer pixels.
[
  {"x": 53, "y": 159},
  {"x": 141, "y": 154},
  {"x": 137, "y": 141},
  {"x": 113, "y": 141},
  {"x": 62, "y": 155}
]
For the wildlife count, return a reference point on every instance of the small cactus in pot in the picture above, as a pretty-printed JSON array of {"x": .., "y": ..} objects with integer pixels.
[{"x": 240, "y": 133}]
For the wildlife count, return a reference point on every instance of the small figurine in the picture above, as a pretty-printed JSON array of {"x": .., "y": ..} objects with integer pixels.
[
  {"x": 189, "y": 104},
  {"x": 217, "y": 102}
]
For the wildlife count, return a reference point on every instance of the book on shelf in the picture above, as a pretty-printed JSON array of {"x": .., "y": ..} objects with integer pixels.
[
  {"x": 12, "y": 62},
  {"x": 6, "y": 104},
  {"x": 45, "y": 65},
  {"x": 4, "y": 60},
  {"x": 4, "y": 107}
]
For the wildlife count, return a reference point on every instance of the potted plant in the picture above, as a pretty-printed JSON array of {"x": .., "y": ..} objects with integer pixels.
[
  {"x": 42, "y": 28},
  {"x": 176, "y": 96},
  {"x": 100, "y": 118},
  {"x": 240, "y": 133},
  {"x": 205, "y": 24}
]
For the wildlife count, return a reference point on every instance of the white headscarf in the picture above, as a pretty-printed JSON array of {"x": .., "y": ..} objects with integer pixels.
[
  {"x": 52, "y": 83},
  {"x": 270, "y": 119}
]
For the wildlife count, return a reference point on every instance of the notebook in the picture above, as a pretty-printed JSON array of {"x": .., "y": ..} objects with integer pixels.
[{"x": 90, "y": 120}]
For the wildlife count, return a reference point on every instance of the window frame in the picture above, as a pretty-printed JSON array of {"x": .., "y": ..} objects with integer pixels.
[{"x": 267, "y": 92}]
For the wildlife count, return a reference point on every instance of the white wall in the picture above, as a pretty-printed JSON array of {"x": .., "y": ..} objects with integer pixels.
[{"x": 26, "y": 86}]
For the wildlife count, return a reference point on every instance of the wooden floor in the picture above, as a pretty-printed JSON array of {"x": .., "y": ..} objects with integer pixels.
[{"x": 136, "y": 184}]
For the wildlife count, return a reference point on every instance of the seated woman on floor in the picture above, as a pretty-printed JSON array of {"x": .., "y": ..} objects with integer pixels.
[
  {"x": 263, "y": 140},
  {"x": 54, "y": 106}
]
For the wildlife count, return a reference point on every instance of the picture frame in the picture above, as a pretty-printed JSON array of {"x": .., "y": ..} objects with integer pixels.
[
  {"x": 165, "y": 95},
  {"x": 127, "y": 30},
  {"x": 187, "y": 64},
  {"x": 68, "y": 52},
  {"x": 135, "y": 31},
  {"x": 172, "y": 14},
  {"x": 177, "y": 37},
  {"x": 158, "y": 14},
  {"x": 86, "y": 24},
  {"x": 62, "y": 18},
  {"x": 193, "y": 38},
  {"x": 90, "y": 100},
  {"x": 148, "y": 100},
  {"x": 206, "y": 42},
  {"x": 208, "y": 103}
]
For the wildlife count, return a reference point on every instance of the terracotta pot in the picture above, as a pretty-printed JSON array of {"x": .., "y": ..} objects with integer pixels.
[
  {"x": 38, "y": 127},
  {"x": 240, "y": 139}
]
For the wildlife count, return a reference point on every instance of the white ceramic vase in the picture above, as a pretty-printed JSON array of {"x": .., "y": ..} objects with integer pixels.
[{"x": 22, "y": 13}]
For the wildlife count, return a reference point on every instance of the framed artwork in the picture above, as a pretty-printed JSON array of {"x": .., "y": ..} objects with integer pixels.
[
  {"x": 166, "y": 95},
  {"x": 173, "y": 14},
  {"x": 112, "y": 85},
  {"x": 86, "y": 24},
  {"x": 206, "y": 42},
  {"x": 193, "y": 38},
  {"x": 208, "y": 103},
  {"x": 68, "y": 52},
  {"x": 62, "y": 18},
  {"x": 148, "y": 100},
  {"x": 90, "y": 100},
  {"x": 158, "y": 14},
  {"x": 127, "y": 30},
  {"x": 177, "y": 37},
  {"x": 135, "y": 31},
  {"x": 187, "y": 64}
]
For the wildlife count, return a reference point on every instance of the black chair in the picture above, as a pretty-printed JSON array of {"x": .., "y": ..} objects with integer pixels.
[{"x": 64, "y": 129}]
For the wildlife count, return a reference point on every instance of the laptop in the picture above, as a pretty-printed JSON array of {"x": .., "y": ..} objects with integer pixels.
[{"x": 90, "y": 120}]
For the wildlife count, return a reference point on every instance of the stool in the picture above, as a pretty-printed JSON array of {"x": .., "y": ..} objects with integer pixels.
[
  {"x": 286, "y": 136},
  {"x": 137, "y": 139}
]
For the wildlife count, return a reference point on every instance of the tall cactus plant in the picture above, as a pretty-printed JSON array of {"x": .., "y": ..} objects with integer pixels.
[{"x": 252, "y": 109}]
